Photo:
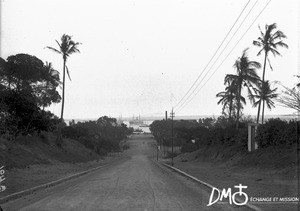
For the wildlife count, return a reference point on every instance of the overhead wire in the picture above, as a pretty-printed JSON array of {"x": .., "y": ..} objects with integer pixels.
[
  {"x": 218, "y": 56},
  {"x": 226, "y": 56},
  {"x": 213, "y": 55}
]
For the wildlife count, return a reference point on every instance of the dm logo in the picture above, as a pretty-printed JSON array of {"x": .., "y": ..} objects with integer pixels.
[{"x": 220, "y": 195}]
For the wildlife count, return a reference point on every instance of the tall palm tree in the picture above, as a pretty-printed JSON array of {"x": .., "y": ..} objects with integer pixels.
[
  {"x": 245, "y": 76},
  {"x": 264, "y": 94},
  {"x": 66, "y": 47},
  {"x": 269, "y": 41}
]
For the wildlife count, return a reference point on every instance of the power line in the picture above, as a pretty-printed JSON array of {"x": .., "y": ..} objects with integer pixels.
[
  {"x": 218, "y": 56},
  {"x": 213, "y": 55},
  {"x": 226, "y": 56}
]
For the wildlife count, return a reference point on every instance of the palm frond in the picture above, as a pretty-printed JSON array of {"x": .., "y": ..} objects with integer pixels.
[
  {"x": 58, "y": 44},
  {"x": 259, "y": 44},
  {"x": 67, "y": 69},
  {"x": 281, "y": 44},
  {"x": 259, "y": 52},
  {"x": 255, "y": 64},
  {"x": 53, "y": 49},
  {"x": 278, "y": 35},
  {"x": 270, "y": 64},
  {"x": 261, "y": 32},
  {"x": 275, "y": 52},
  {"x": 243, "y": 100},
  {"x": 73, "y": 49}
]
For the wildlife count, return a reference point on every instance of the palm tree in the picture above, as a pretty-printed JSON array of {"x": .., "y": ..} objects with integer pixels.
[
  {"x": 245, "y": 76},
  {"x": 66, "y": 47},
  {"x": 269, "y": 42},
  {"x": 228, "y": 98},
  {"x": 264, "y": 94}
]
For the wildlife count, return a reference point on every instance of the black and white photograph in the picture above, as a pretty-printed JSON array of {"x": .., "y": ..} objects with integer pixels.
[{"x": 149, "y": 105}]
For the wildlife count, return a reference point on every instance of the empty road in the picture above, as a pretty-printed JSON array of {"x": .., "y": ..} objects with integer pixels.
[{"x": 134, "y": 183}]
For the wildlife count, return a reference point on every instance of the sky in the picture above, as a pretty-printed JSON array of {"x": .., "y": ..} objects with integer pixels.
[{"x": 140, "y": 57}]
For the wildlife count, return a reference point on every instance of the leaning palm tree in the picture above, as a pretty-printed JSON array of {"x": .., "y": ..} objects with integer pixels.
[
  {"x": 264, "y": 94},
  {"x": 66, "y": 47},
  {"x": 245, "y": 76},
  {"x": 269, "y": 41}
]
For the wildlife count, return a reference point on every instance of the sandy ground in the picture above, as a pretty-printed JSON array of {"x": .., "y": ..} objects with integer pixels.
[
  {"x": 261, "y": 183},
  {"x": 135, "y": 183}
]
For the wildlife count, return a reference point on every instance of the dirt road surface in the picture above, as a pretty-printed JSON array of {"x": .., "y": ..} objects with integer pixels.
[{"x": 134, "y": 183}]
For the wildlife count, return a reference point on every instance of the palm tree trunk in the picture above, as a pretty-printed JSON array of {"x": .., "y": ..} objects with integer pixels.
[
  {"x": 257, "y": 119},
  {"x": 238, "y": 107},
  {"x": 264, "y": 70},
  {"x": 263, "y": 79},
  {"x": 263, "y": 112},
  {"x": 230, "y": 108},
  {"x": 63, "y": 93}
]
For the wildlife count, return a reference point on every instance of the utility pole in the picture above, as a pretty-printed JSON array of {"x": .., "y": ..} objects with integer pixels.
[
  {"x": 157, "y": 150},
  {"x": 172, "y": 117},
  {"x": 163, "y": 143}
]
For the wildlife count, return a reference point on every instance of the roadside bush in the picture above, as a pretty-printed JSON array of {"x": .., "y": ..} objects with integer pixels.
[
  {"x": 189, "y": 147},
  {"x": 240, "y": 137},
  {"x": 87, "y": 142},
  {"x": 109, "y": 145},
  {"x": 170, "y": 154},
  {"x": 125, "y": 146},
  {"x": 176, "y": 142},
  {"x": 276, "y": 132},
  {"x": 74, "y": 132},
  {"x": 44, "y": 136}
]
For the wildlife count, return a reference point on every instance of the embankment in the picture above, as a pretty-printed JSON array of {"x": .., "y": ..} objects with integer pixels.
[{"x": 31, "y": 161}]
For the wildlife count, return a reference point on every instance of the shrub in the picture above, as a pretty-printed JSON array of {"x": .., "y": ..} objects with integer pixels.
[
  {"x": 276, "y": 132},
  {"x": 87, "y": 142},
  {"x": 44, "y": 136},
  {"x": 241, "y": 137},
  {"x": 74, "y": 132},
  {"x": 170, "y": 154},
  {"x": 189, "y": 147}
]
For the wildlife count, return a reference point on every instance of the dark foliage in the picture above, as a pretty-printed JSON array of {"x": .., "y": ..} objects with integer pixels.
[
  {"x": 193, "y": 135},
  {"x": 276, "y": 132},
  {"x": 27, "y": 87},
  {"x": 103, "y": 135}
]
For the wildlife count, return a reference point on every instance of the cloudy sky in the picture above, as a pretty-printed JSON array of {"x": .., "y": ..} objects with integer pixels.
[{"x": 141, "y": 56}]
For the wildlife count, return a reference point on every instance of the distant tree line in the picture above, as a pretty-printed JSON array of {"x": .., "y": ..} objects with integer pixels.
[
  {"x": 192, "y": 135},
  {"x": 103, "y": 135}
]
